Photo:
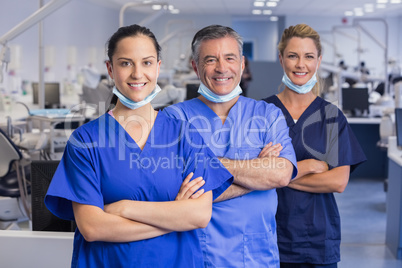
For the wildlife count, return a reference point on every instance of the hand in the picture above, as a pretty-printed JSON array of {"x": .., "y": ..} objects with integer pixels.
[
  {"x": 115, "y": 208},
  {"x": 188, "y": 189},
  {"x": 318, "y": 166},
  {"x": 270, "y": 150}
]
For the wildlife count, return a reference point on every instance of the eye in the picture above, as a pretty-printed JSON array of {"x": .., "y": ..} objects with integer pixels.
[
  {"x": 125, "y": 63},
  {"x": 147, "y": 63},
  {"x": 292, "y": 56}
]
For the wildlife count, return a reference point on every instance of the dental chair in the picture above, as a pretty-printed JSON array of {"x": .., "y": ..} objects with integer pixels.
[{"x": 14, "y": 185}]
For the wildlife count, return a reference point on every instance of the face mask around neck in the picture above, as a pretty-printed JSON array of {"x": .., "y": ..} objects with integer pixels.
[
  {"x": 135, "y": 105},
  {"x": 209, "y": 95},
  {"x": 303, "y": 89}
]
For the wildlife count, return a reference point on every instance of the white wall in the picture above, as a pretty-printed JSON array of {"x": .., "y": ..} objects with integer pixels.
[{"x": 87, "y": 27}]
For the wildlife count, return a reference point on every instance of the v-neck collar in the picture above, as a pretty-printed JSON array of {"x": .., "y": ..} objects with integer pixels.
[
  {"x": 129, "y": 141},
  {"x": 307, "y": 112},
  {"x": 212, "y": 114}
]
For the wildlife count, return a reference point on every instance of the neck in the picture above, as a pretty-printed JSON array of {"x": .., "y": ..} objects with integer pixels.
[
  {"x": 295, "y": 99},
  {"x": 222, "y": 108},
  {"x": 145, "y": 112}
]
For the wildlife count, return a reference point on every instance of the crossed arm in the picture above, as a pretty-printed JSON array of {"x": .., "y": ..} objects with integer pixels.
[
  {"x": 127, "y": 220},
  {"x": 266, "y": 172},
  {"x": 314, "y": 177}
]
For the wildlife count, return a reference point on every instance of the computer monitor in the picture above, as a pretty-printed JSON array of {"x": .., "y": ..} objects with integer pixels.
[
  {"x": 355, "y": 101},
  {"x": 52, "y": 94},
  {"x": 398, "y": 127},
  {"x": 42, "y": 219},
  {"x": 192, "y": 90}
]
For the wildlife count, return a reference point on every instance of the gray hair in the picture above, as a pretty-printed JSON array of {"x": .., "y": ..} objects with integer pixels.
[{"x": 210, "y": 33}]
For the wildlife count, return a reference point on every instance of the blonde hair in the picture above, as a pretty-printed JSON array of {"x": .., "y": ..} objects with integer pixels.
[{"x": 302, "y": 31}]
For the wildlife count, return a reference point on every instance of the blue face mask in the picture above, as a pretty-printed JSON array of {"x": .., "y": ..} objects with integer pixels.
[
  {"x": 300, "y": 89},
  {"x": 209, "y": 95},
  {"x": 132, "y": 104}
]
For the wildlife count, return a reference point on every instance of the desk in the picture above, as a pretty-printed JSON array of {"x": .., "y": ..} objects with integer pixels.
[
  {"x": 393, "y": 236},
  {"x": 367, "y": 132},
  {"x": 50, "y": 121},
  {"x": 35, "y": 249}
]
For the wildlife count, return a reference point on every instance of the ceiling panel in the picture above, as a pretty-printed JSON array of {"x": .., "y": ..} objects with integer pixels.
[{"x": 285, "y": 7}]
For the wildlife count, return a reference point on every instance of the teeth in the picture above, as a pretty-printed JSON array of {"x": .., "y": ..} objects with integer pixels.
[
  {"x": 137, "y": 85},
  {"x": 300, "y": 73},
  {"x": 221, "y": 80}
]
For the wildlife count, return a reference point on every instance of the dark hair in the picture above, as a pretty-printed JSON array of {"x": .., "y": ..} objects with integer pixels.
[
  {"x": 213, "y": 32},
  {"x": 128, "y": 31}
]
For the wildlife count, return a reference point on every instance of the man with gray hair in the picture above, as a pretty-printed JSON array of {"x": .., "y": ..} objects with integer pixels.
[{"x": 251, "y": 139}]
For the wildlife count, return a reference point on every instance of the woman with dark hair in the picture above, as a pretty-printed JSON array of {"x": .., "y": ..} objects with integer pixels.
[{"x": 126, "y": 177}]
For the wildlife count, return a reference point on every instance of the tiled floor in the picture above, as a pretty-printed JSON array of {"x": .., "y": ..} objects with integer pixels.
[{"x": 363, "y": 219}]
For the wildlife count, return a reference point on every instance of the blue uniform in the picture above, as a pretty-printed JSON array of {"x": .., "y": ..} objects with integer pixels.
[
  {"x": 309, "y": 223},
  {"x": 242, "y": 231},
  {"x": 103, "y": 164}
]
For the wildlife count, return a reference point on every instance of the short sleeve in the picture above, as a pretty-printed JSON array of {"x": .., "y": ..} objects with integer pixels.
[
  {"x": 203, "y": 162},
  {"x": 74, "y": 180}
]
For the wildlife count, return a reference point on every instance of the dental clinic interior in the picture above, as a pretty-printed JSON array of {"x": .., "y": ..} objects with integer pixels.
[{"x": 53, "y": 79}]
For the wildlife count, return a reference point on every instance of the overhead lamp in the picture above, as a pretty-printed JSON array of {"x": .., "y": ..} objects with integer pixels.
[
  {"x": 274, "y": 18},
  {"x": 175, "y": 11},
  {"x": 156, "y": 7},
  {"x": 395, "y": 1},
  {"x": 256, "y": 12},
  {"x": 258, "y": 4},
  {"x": 348, "y": 13},
  {"x": 272, "y": 4},
  {"x": 382, "y": 1},
  {"x": 267, "y": 12},
  {"x": 381, "y": 6}
]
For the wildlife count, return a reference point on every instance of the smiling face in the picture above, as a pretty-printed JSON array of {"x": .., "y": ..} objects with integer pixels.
[
  {"x": 220, "y": 65},
  {"x": 300, "y": 60},
  {"x": 135, "y": 67}
]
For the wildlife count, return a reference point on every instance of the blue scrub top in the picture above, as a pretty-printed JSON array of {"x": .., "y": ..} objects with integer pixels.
[
  {"x": 309, "y": 223},
  {"x": 103, "y": 164},
  {"x": 242, "y": 231}
]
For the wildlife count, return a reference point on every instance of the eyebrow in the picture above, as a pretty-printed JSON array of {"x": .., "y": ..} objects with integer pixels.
[
  {"x": 128, "y": 59},
  {"x": 226, "y": 55}
]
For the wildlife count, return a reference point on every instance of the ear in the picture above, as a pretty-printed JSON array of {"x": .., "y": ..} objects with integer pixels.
[
  {"x": 280, "y": 59},
  {"x": 243, "y": 64},
  {"x": 109, "y": 69},
  {"x": 319, "y": 62},
  {"x": 195, "y": 67},
  {"x": 159, "y": 68}
]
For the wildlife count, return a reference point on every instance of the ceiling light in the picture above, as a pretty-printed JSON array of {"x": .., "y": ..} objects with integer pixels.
[
  {"x": 171, "y": 7},
  {"x": 395, "y": 1},
  {"x": 274, "y": 0},
  {"x": 382, "y": 1},
  {"x": 358, "y": 9},
  {"x": 175, "y": 11},
  {"x": 273, "y": 18},
  {"x": 258, "y": 4},
  {"x": 156, "y": 7},
  {"x": 381, "y": 6},
  {"x": 256, "y": 12},
  {"x": 267, "y": 12},
  {"x": 272, "y": 4},
  {"x": 348, "y": 13}
]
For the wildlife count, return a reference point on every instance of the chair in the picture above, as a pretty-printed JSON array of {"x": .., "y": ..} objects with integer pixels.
[{"x": 14, "y": 187}]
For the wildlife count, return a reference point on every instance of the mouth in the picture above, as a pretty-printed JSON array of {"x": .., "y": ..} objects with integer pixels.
[
  {"x": 301, "y": 74},
  {"x": 137, "y": 85},
  {"x": 221, "y": 79}
]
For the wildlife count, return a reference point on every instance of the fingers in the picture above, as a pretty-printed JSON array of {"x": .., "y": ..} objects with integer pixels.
[
  {"x": 271, "y": 150},
  {"x": 188, "y": 188}
]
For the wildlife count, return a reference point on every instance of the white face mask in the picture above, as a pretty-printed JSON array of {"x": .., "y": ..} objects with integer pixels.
[
  {"x": 303, "y": 89},
  {"x": 132, "y": 104},
  {"x": 209, "y": 95}
]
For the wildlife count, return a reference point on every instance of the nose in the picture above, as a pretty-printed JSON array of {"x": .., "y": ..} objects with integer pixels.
[
  {"x": 136, "y": 72},
  {"x": 300, "y": 63},
  {"x": 221, "y": 66}
]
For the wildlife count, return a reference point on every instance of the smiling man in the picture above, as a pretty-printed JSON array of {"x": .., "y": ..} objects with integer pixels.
[{"x": 251, "y": 138}]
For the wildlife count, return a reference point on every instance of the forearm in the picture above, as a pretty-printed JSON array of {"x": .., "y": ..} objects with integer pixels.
[
  {"x": 96, "y": 225},
  {"x": 260, "y": 173},
  {"x": 179, "y": 215},
  {"x": 233, "y": 191},
  {"x": 334, "y": 180}
]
